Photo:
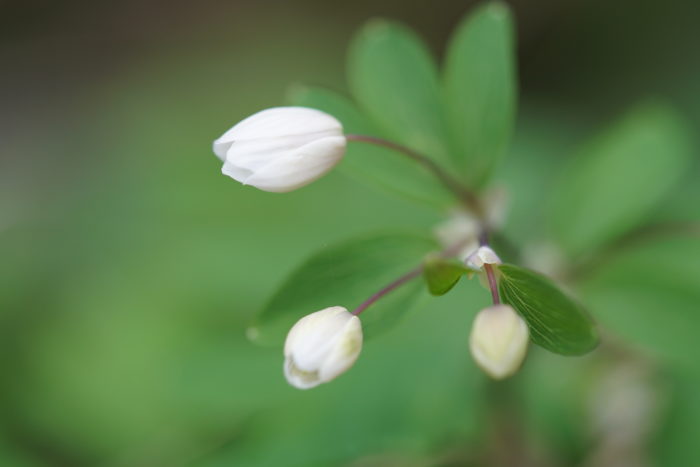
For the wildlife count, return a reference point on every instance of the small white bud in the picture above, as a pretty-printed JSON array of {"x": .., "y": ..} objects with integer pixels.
[
  {"x": 321, "y": 346},
  {"x": 498, "y": 340},
  {"x": 282, "y": 148},
  {"x": 483, "y": 255},
  {"x": 460, "y": 229}
]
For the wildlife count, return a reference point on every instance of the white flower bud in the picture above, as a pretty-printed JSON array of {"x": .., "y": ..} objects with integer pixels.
[
  {"x": 483, "y": 255},
  {"x": 281, "y": 149},
  {"x": 498, "y": 340},
  {"x": 321, "y": 346},
  {"x": 460, "y": 229}
]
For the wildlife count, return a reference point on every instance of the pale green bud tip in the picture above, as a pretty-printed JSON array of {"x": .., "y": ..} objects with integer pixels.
[
  {"x": 498, "y": 341},
  {"x": 321, "y": 346}
]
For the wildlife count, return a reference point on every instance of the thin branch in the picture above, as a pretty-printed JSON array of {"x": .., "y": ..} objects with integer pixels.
[
  {"x": 451, "y": 251},
  {"x": 468, "y": 197},
  {"x": 393, "y": 285}
]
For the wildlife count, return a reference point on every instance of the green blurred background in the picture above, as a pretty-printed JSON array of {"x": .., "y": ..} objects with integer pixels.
[{"x": 130, "y": 267}]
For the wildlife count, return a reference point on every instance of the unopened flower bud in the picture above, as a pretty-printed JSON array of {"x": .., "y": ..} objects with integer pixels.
[
  {"x": 483, "y": 255},
  {"x": 498, "y": 340},
  {"x": 282, "y": 148},
  {"x": 460, "y": 229},
  {"x": 321, "y": 346}
]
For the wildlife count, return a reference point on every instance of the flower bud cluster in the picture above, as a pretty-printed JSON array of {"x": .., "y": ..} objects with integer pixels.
[
  {"x": 324, "y": 344},
  {"x": 285, "y": 148}
]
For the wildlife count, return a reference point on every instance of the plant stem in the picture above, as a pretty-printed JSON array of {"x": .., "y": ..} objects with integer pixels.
[
  {"x": 388, "y": 288},
  {"x": 483, "y": 235},
  {"x": 467, "y": 196},
  {"x": 493, "y": 285},
  {"x": 490, "y": 274},
  {"x": 403, "y": 279}
]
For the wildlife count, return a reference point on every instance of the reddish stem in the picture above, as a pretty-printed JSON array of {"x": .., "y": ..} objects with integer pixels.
[
  {"x": 397, "y": 283},
  {"x": 468, "y": 197},
  {"x": 402, "y": 280},
  {"x": 493, "y": 285}
]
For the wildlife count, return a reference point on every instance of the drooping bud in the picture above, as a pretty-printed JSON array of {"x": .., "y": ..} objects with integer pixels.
[
  {"x": 282, "y": 148},
  {"x": 498, "y": 340},
  {"x": 321, "y": 346}
]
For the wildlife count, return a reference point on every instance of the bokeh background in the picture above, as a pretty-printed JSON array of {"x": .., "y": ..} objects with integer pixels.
[{"x": 130, "y": 267}]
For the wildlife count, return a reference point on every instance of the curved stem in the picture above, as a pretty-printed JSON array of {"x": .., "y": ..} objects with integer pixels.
[
  {"x": 397, "y": 283},
  {"x": 402, "y": 280},
  {"x": 468, "y": 197}
]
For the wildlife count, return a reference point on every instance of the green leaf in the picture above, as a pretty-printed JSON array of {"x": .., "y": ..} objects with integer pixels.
[
  {"x": 682, "y": 204},
  {"x": 381, "y": 166},
  {"x": 649, "y": 297},
  {"x": 671, "y": 260},
  {"x": 677, "y": 443},
  {"x": 615, "y": 182},
  {"x": 441, "y": 274},
  {"x": 556, "y": 322},
  {"x": 394, "y": 79},
  {"x": 480, "y": 88},
  {"x": 346, "y": 275}
]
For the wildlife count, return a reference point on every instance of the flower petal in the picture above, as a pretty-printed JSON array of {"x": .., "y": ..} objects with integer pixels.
[
  {"x": 255, "y": 154},
  {"x": 498, "y": 341},
  {"x": 275, "y": 122},
  {"x": 483, "y": 255},
  {"x": 346, "y": 349},
  {"x": 300, "y": 167},
  {"x": 312, "y": 337}
]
